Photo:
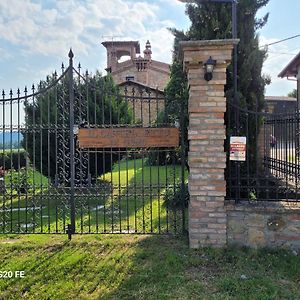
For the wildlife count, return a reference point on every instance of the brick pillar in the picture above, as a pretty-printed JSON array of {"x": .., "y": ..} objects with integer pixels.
[{"x": 206, "y": 134}]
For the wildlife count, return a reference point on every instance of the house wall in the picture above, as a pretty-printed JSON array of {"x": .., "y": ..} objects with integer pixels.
[
  {"x": 145, "y": 105},
  {"x": 158, "y": 78},
  {"x": 146, "y": 111},
  {"x": 152, "y": 76},
  {"x": 120, "y": 75}
]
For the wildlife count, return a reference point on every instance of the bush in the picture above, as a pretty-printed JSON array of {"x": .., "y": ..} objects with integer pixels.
[
  {"x": 10, "y": 160},
  {"x": 177, "y": 197},
  {"x": 17, "y": 181},
  {"x": 25, "y": 180},
  {"x": 162, "y": 157}
]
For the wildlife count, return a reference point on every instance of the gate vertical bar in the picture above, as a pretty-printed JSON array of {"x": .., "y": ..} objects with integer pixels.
[
  {"x": 71, "y": 227},
  {"x": 182, "y": 147}
]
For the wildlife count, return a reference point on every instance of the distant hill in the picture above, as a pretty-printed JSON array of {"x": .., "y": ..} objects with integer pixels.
[{"x": 10, "y": 138}]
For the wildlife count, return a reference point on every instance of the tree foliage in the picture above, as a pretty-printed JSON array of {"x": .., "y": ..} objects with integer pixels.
[
  {"x": 213, "y": 21},
  {"x": 293, "y": 93},
  {"x": 96, "y": 102}
]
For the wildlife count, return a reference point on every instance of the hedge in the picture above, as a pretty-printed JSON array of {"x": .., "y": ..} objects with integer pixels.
[{"x": 13, "y": 160}]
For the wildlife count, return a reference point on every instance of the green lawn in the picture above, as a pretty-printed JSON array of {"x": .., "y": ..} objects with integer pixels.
[
  {"x": 128, "y": 199},
  {"x": 142, "y": 267}
]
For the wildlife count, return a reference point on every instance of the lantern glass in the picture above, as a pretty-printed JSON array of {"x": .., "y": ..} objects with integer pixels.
[{"x": 209, "y": 68}]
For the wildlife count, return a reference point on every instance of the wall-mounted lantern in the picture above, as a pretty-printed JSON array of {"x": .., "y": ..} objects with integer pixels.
[{"x": 209, "y": 67}]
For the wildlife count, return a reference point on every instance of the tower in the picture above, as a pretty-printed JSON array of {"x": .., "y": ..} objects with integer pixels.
[
  {"x": 117, "y": 49},
  {"x": 148, "y": 51}
]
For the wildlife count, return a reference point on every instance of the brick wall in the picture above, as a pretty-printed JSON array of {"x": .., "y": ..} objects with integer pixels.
[
  {"x": 206, "y": 134},
  {"x": 211, "y": 221}
]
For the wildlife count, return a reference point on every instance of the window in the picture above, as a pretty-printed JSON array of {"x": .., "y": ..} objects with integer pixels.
[{"x": 129, "y": 78}]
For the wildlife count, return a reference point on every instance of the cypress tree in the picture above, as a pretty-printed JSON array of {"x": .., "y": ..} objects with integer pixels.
[
  {"x": 293, "y": 93},
  {"x": 213, "y": 21},
  {"x": 210, "y": 21}
]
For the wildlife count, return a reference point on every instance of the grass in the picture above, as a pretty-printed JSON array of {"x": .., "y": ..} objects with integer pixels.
[
  {"x": 130, "y": 198},
  {"x": 292, "y": 158},
  {"x": 142, "y": 267},
  {"x": 29, "y": 176},
  {"x": 13, "y": 150}
]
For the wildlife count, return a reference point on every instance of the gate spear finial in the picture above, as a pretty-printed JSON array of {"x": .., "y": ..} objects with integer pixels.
[{"x": 71, "y": 54}]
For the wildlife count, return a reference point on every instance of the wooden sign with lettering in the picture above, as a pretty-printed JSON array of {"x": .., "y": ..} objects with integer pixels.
[{"x": 128, "y": 137}]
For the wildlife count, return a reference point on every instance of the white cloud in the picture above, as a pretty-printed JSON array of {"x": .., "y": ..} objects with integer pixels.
[
  {"x": 173, "y": 2},
  {"x": 77, "y": 24}
]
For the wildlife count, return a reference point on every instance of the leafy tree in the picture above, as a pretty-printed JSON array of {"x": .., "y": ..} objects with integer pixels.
[
  {"x": 96, "y": 102},
  {"x": 293, "y": 93}
]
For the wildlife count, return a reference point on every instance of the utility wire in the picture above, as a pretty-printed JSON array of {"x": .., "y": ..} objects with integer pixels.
[
  {"x": 289, "y": 38},
  {"x": 282, "y": 53},
  {"x": 277, "y": 54}
]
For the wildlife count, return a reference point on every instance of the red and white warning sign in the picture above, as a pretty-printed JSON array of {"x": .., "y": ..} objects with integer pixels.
[{"x": 237, "y": 148}]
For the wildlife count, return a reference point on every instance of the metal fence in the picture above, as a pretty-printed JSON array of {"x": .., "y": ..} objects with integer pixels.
[
  {"x": 51, "y": 185},
  {"x": 271, "y": 169}
]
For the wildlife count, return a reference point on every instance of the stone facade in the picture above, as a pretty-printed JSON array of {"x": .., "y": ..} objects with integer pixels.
[
  {"x": 147, "y": 76},
  {"x": 144, "y": 70},
  {"x": 206, "y": 134},
  {"x": 147, "y": 104},
  {"x": 264, "y": 224}
]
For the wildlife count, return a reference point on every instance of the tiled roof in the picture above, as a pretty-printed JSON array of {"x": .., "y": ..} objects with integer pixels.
[
  {"x": 291, "y": 69},
  {"x": 132, "y": 82}
]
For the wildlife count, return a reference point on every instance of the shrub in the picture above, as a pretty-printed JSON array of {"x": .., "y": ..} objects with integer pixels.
[
  {"x": 177, "y": 197},
  {"x": 25, "y": 180},
  {"x": 13, "y": 160},
  {"x": 17, "y": 181}
]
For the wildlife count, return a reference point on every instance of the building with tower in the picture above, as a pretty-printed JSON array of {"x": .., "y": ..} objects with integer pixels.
[
  {"x": 140, "y": 69},
  {"x": 148, "y": 77}
]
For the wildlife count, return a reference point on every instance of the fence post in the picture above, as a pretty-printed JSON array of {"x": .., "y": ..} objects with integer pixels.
[
  {"x": 206, "y": 134},
  {"x": 71, "y": 228}
]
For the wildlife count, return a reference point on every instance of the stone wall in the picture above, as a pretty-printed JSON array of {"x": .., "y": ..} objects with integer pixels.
[
  {"x": 264, "y": 224},
  {"x": 152, "y": 77}
]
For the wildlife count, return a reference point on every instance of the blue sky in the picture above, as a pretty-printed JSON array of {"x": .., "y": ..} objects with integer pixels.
[
  {"x": 35, "y": 35},
  {"x": 283, "y": 22}
]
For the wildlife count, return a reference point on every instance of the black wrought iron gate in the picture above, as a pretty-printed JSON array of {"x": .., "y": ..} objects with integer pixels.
[{"x": 49, "y": 184}]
